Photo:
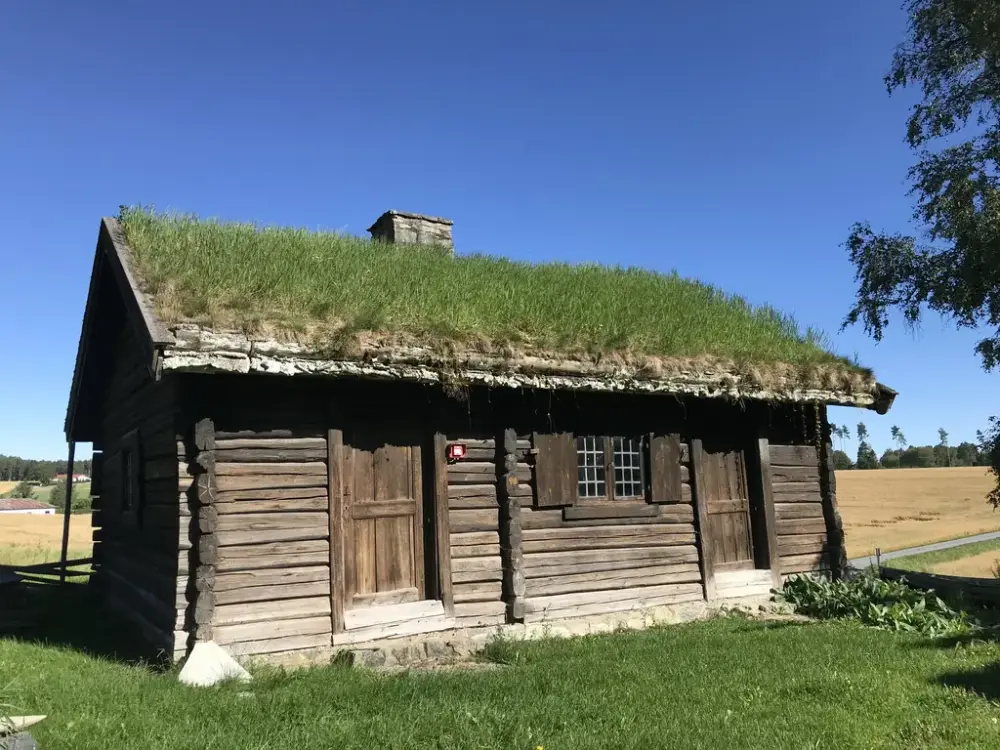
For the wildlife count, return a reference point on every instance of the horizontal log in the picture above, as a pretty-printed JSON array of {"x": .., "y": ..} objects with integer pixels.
[
  {"x": 271, "y": 521},
  {"x": 245, "y": 561},
  {"x": 270, "y": 455},
  {"x": 268, "y": 482},
  {"x": 609, "y": 543},
  {"x": 603, "y": 566},
  {"x": 473, "y": 520},
  {"x": 472, "y": 490},
  {"x": 781, "y": 487},
  {"x": 271, "y": 444},
  {"x": 273, "y": 593},
  {"x": 272, "y": 494},
  {"x": 488, "y": 468},
  {"x": 482, "y": 591},
  {"x": 472, "y": 503},
  {"x": 474, "y": 576},
  {"x": 459, "y": 478},
  {"x": 794, "y": 455},
  {"x": 812, "y": 496},
  {"x": 394, "y": 613},
  {"x": 613, "y": 579},
  {"x": 801, "y": 526},
  {"x": 788, "y": 511},
  {"x": 270, "y": 629},
  {"x": 478, "y": 443},
  {"x": 474, "y": 537},
  {"x": 604, "y": 532},
  {"x": 804, "y": 545},
  {"x": 308, "y": 468},
  {"x": 292, "y": 643},
  {"x": 389, "y": 509},
  {"x": 275, "y": 577},
  {"x": 537, "y": 604},
  {"x": 480, "y": 454},
  {"x": 300, "y": 431},
  {"x": 804, "y": 563},
  {"x": 615, "y": 510},
  {"x": 318, "y": 503},
  {"x": 795, "y": 474},
  {"x": 680, "y": 553},
  {"x": 287, "y": 609},
  {"x": 467, "y": 564},
  {"x": 547, "y": 519},
  {"x": 475, "y": 550},
  {"x": 607, "y": 608},
  {"x": 479, "y": 609},
  {"x": 237, "y": 538}
]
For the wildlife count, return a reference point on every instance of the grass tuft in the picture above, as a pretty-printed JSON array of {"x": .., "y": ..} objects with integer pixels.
[{"x": 328, "y": 286}]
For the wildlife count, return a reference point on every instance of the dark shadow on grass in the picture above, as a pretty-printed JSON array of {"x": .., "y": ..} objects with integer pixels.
[
  {"x": 984, "y": 682},
  {"x": 756, "y": 626},
  {"x": 71, "y": 616}
]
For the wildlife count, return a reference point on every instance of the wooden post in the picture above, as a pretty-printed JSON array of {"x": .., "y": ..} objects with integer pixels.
[
  {"x": 701, "y": 517},
  {"x": 511, "y": 550},
  {"x": 203, "y": 612},
  {"x": 335, "y": 475},
  {"x": 442, "y": 524},
  {"x": 765, "y": 493},
  {"x": 67, "y": 510},
  {"x": 836, "y": 548}
]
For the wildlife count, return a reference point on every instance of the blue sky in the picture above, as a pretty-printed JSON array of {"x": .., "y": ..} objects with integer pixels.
[{"x": 732, "y": 141}]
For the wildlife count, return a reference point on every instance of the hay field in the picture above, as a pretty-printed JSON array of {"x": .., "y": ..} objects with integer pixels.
[
  {"x": 897, "y": 508},
  {"x": 27, "y": 539},
  {"x": 6, "y": 487},
  {"x": 977, "y": 566}
]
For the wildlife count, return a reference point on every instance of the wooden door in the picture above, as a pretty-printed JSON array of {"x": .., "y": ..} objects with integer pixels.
[
  {"x": 728, "y": 504},
  {"x": 383, "y": 518}
]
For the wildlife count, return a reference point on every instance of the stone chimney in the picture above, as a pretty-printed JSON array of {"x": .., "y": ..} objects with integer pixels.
[{"x": 403, "y": 228}]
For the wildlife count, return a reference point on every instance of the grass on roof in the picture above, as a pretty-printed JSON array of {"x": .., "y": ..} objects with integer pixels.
[{"x": 298, "y": 281}]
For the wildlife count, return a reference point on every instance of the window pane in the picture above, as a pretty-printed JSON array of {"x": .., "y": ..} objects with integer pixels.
[
  {"x": 590, "y": 466},
  {"x": 628, "y": 467}
]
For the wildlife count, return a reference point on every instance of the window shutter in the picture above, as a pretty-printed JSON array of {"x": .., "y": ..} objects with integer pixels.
[
  {"x": 555, "y": 469},
  {"x": 665, "y": 468}
]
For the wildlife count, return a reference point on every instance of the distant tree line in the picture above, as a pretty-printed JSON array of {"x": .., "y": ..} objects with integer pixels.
[
  {"x": 17, "y": 469},
  {"x": 906, "y": 456}
]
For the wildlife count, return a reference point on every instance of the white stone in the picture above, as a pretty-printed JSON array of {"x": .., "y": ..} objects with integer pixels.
[
  {"x": 12, "y": 724},
  {"x": 210, "y": 664}
]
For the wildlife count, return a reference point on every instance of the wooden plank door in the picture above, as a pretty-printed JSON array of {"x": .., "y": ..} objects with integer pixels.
[
  {"x": 728, "y": 503},
  {"x": 383, "y": 518}
]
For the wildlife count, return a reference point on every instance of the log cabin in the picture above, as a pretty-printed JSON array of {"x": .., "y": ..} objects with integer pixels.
[{"x": 307, "y": 441}]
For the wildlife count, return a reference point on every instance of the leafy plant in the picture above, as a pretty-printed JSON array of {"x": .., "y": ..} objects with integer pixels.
[
  {"x": 23, "y": 490},
  {"x": 501, "y": 649},
  {"x": 889, "y": 605}
]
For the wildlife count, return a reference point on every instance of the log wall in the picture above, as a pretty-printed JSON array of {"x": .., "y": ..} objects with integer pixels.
[
  {"x": 594, "y": 558},
  {"x": 804, "y": 544},
  {"x": 271, "y": 525},
  {"x": 474, "y": 526},
  {"x": 136, "y": 551}
]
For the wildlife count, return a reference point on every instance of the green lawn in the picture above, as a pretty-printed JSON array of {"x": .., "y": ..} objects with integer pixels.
[
  {"x": 728, "y": 683},
  {"x": 924, "y": 562}
]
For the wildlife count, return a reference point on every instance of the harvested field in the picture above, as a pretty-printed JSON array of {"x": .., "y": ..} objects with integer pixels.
[
  {"x": 6, "y": 487},
  {"x": 976, "y": 566},
  {"x": 898, "y": 508},
  {"x": 27, "y": 539}
]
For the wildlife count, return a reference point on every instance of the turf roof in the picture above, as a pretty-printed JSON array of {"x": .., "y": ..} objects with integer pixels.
[{"x": 327, "y": 289}]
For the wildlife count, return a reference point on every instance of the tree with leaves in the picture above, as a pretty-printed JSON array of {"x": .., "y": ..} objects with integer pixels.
[
  {"x": 867, "y": 458},
  {"x": 898, "y": 438},
  {"x": 951, "y": 53}
]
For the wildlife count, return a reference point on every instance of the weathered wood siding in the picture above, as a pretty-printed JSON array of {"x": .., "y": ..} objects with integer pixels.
[
  {"x": 803, "y": 540},
  {"x": 136, "y": 551},
  {"x": 272, "y": 571},
  {"x": 591, "y": 558},
  {"x": 474, "y": 525}
]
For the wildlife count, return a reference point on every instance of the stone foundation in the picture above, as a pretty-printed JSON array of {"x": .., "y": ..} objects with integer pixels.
[{"x": 451, "y": 646}]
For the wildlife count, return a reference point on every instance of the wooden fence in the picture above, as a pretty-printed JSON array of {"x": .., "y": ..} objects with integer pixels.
[
  {"x": 45, "y": 572},
  {"x": 981, "y": 592}
]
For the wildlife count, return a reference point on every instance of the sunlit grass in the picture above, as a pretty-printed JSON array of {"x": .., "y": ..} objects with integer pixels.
[{"x": 284, "y": 279}]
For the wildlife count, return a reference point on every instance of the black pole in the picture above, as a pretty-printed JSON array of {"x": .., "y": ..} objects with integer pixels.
[{"x": 66, "y": 511}]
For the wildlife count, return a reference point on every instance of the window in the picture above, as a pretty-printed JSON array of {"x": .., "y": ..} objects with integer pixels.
[{"x": 610, "y": 468}]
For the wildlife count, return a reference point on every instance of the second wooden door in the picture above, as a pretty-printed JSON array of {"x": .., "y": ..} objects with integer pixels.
[
  {"x": 383, "y": 518},
  {"x": 728, "y": 504}
]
